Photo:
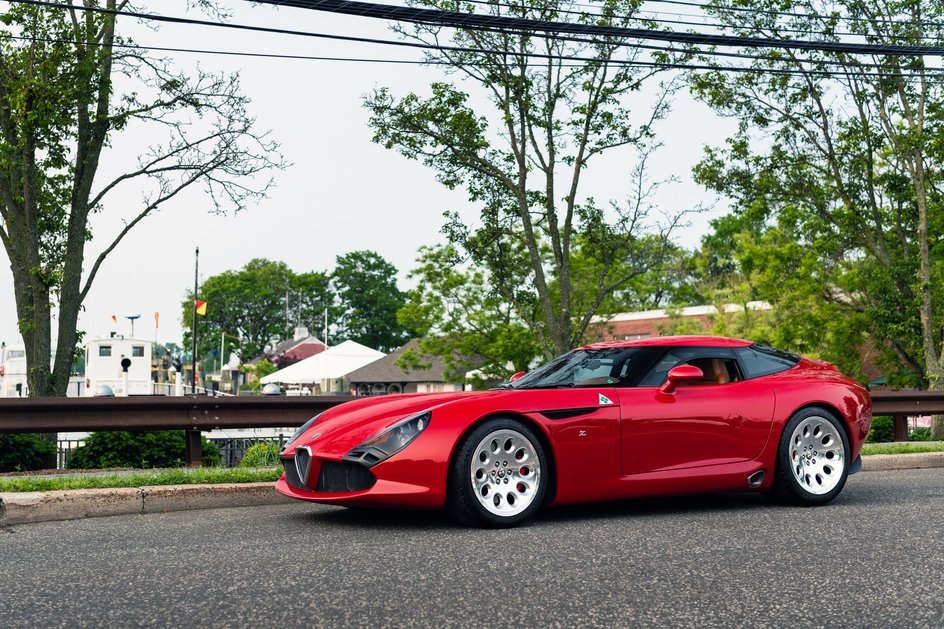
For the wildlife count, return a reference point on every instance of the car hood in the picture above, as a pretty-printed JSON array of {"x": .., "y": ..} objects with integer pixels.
[
  {"x": 346, "y": 426},
  {"x": 342, "y": 428}
]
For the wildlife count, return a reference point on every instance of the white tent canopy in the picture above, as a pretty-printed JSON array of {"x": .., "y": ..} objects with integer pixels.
[{"x": 335, "y": 362}]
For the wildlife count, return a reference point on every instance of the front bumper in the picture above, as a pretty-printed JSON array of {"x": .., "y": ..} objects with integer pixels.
[{"x": 351, "y": 484}]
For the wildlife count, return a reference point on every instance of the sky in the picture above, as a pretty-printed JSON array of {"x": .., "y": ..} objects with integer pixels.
[{"x": 341, "y": 193}]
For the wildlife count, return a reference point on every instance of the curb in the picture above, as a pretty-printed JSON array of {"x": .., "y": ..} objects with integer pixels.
[
  {"x": 913, "y": 461},
  {"x": 75, "y": 504}
]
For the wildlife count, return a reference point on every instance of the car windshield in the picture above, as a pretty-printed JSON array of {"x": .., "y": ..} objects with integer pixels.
[{"x": 583, "y": 368}]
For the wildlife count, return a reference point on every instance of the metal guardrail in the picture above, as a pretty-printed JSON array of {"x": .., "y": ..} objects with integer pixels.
[
  {"x": 190, "y": 413},
  {"x": 197, "y": 413},
  {"x": 902, "y": 404}
]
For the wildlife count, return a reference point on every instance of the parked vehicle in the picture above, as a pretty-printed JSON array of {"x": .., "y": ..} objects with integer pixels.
[{"x": 608, "y": 421}]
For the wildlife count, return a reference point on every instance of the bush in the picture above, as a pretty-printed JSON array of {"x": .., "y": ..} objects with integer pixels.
[
  {"x": 20, "y": 453},
  {"x": 920, "y": 434},
  {"x": 150, "y": 448},
  {"x": 261, "y": 455},
  {"x": 883, "y": 430}
]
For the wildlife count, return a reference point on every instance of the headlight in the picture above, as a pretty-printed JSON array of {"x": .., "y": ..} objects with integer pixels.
[
  {"x": 389, "y": 441},
  {"x": 298, "y": 433}
]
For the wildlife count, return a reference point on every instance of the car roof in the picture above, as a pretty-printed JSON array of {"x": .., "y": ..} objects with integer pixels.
[{"x": 675, "y": 341}]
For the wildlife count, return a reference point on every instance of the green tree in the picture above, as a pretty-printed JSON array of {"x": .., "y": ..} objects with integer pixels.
[
  {"x": 368, "y": 300},
  {"x": 520, "y": 141},
  {"x": 260, "y": 370},
  {"x": 60, "y": 108},
  {"x": 459, "y": 319},
  {"x": 257, "y": 304},
  {"x": 846, "y": 165}
]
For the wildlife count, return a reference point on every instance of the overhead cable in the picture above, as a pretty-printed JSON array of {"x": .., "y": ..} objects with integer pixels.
[
  {"x": 457, "y": 19},
  {"x": 896, "y": 71},
  {"x": 754, "y": 10}
]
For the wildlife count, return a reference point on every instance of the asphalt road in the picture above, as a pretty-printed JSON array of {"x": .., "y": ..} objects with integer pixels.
[{"x": 873, "y": 557}]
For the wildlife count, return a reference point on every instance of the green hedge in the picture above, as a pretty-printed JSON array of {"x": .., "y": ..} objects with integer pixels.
[
  {"x": 145, "y": 449},
  {"x": 21, "y": 453},
  {"x": 883, "y": 430}
]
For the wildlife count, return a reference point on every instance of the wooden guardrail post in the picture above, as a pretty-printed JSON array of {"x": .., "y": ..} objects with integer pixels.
[
  {"x": 194, "y": 445},
  {"x": 901, "y": 427}
]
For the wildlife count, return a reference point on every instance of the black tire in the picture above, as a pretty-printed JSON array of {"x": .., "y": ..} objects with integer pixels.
[
  {"x": 462, "y": 501},
  {"x": 787, "y": 488}
]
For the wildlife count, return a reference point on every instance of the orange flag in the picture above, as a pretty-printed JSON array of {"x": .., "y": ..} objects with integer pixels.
[
  {"x": 114, "y": 318},
  {"x": 201, "y": 307}
]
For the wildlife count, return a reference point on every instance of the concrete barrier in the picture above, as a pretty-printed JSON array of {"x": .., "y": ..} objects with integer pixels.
[
  {"x": 43, "y": 506},
  {"x": 162, "y": 498},
  {"x": 911, "y": 461},
  {"x": 74, "y": 504}
]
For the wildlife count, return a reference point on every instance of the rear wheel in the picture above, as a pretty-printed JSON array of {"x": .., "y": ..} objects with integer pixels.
[
  {"x": 812, "y": 459},
  {"x": 498, "y": 476}
]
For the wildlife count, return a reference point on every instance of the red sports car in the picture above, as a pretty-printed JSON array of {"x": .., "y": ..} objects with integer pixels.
[{"x": 607, "y": 421}]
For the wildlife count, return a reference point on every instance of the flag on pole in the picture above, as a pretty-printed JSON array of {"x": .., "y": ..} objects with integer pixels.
[
  {"x": 157, "y": 316},
  {"x": 201, "y": 307},
  {"x": 114, "y": 319}
]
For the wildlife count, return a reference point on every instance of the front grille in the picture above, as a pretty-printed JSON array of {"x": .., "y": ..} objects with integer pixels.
[
  {"x": 291, "y": 474},
  {"x": 343, "y": 477},
  {"x": 303, "y": 463}
]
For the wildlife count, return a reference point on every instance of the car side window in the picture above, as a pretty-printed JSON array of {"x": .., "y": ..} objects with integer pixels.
[
  {"x": 717, "y": 363},
  {"x": 760, "y": 360}
]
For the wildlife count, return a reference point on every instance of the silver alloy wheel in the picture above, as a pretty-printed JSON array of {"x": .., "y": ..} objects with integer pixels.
[
  {"x": 505, "y": 472},
  {"x": 817, "y": 456}
]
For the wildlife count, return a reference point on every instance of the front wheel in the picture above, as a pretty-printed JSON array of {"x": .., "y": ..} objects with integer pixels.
[
  {"x": 812, "y": 459},
  {"x": 498, "y": 476}
]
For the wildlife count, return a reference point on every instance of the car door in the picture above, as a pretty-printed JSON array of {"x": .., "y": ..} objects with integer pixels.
[{"x": 709, "y": 423}]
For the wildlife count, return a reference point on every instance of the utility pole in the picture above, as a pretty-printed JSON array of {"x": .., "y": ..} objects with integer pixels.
[{"x": 193, "y": 355}]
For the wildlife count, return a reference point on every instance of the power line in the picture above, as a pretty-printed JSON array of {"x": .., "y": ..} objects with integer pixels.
[
  {"x": 457, "y": 19},
  {"x": 641, "y": 17},
  {"x": 461, "y": 49},
  {"x": 472, "y": 20},
  {"x": 435, "y": 62},
  {"x": 844, "y": 18}
]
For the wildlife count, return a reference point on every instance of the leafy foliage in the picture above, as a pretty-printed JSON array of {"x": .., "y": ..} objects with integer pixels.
[
  {"x": 521, "y": 157},
  {"x": 833, "y": 180},
  {"x": 261, "y": 454},
  {"x": 20, "y": 453},
  {"x": 201, "y": 476},
  {"x": 882, "y": 430},
  {"x": 249, "y": 306},
  {"x": 920, "y": 434},
  {"x": 62, "y": 72},
  {"x": 368, "y": 300},
  {"x": 460, "y": 319},
  {"x": 145, "y": 449}
]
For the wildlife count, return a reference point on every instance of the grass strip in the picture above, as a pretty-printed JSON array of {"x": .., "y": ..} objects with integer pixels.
[
  {"x": 913, "y": 447},
  {"x": 203, "y": 476}
]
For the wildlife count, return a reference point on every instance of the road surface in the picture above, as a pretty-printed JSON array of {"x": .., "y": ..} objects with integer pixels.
[{"x": 874, "y": 557}]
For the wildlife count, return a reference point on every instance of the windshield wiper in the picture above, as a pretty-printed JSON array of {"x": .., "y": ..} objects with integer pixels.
[{"x": 570, "y": 385}]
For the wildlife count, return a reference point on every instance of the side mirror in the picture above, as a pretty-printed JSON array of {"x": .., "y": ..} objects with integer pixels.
[
  {"x": 516, "y": 376},
  {"x": 680, "y": 374}
]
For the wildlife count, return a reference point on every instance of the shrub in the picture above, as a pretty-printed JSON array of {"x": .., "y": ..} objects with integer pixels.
[
  {"x": 261, "y": 455},
  {"x": 150, "y": 448},
  {"x": 920, "y": 434},
  {"x": 20, "y": 453},
  {"x": 883, "y": 430}
]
